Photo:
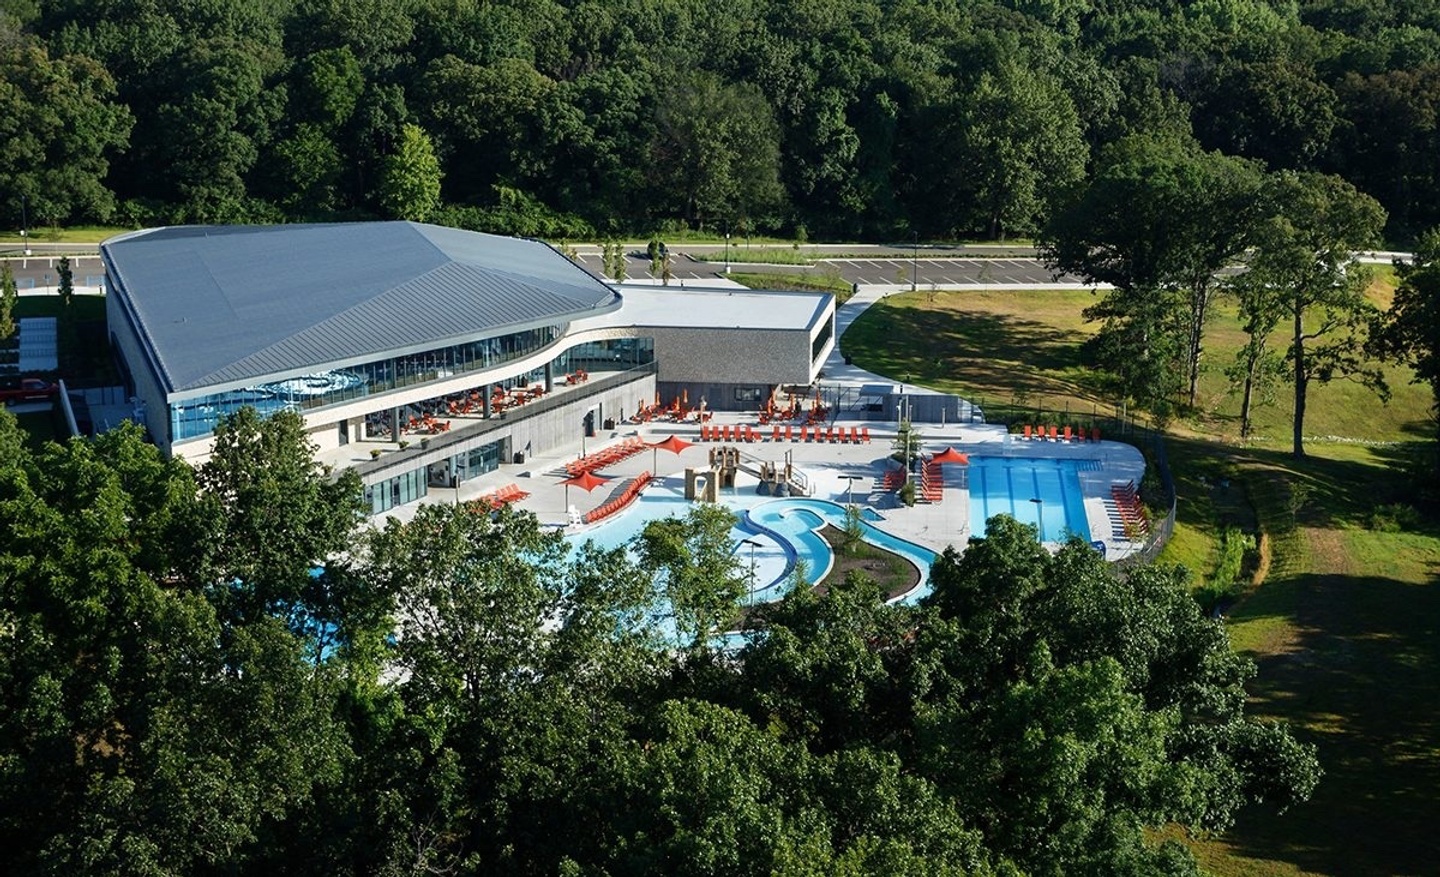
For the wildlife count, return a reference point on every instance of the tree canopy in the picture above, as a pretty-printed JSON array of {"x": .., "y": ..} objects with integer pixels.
[
  {"x": 850, "y": 118},
  {"x": 222, "y": 671}
]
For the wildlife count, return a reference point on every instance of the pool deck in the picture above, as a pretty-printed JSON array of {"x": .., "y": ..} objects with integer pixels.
[{"x": 829, "y": 468}]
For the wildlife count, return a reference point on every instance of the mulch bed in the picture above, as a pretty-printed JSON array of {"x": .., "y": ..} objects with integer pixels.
[{"x": 894, "y": 573}]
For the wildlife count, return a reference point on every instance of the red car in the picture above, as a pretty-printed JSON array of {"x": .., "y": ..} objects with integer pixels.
[{"x": 28, "y": 390}]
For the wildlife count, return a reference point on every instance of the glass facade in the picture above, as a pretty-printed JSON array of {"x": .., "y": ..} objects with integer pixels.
[
  {"x": 820, "y": 338},
  {"x": 193, "y": 418},
  {"x": 396, "y": 491}
]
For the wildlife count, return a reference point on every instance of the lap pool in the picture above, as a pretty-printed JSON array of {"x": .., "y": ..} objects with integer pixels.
[{"x": 1012, "y": 486}]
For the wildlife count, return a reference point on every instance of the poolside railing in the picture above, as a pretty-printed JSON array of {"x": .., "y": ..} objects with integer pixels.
[{"x": 429, "y": 450}]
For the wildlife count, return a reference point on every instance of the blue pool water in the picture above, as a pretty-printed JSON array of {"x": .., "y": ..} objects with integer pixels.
[
  {"x": 1009, "y": 486},
  {"x": 785, "y": 530}
]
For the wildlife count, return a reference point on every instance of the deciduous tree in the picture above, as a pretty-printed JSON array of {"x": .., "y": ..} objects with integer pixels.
[
  {"x": 1410, "y": 331},
  {"x": 410, "y": 178},
  {"x": 1306, "y": 250}
]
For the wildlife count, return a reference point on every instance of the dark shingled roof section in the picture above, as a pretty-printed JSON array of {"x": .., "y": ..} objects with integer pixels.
[{"x": 222, "y": 304}]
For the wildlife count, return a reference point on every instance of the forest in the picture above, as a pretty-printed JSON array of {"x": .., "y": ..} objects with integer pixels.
[
  {"x": 220, "y": 670},
  {"x": 833, "y": 119}
]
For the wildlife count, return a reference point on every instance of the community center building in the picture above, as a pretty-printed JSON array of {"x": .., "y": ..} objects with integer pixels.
[{"x": 441, "y": 352}]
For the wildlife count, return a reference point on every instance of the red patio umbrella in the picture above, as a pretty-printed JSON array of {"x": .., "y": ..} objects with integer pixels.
[
  {"x": 587, "y": 480},
  {"x": 672, "y": 443},
  {"x": 950, "y": 455}
]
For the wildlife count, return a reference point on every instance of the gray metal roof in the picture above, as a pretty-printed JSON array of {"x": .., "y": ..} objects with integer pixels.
[{"x": 221, "y": 305}]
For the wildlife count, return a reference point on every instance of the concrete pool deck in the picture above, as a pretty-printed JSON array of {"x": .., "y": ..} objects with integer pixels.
[{"x": 829, "y": 468}]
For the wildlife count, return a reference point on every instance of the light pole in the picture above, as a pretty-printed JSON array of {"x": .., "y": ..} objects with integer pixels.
[
  {"x": 850, "y": 489},
  {"x": 750, "y": 594},
  {"x": 1040, "y": 515},
  {"x": 24, "y": 226},
  {"x": 727, "y": 252},
  {"x": 915, "y": 262}
]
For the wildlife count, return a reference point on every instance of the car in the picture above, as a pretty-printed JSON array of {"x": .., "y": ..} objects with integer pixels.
[{"x": 28, "y": 390}]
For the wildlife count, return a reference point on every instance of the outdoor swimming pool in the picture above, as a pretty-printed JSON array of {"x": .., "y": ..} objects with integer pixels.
[
  {"x": 1033, "y": 490},
  {"x": 774, "y": 533}
]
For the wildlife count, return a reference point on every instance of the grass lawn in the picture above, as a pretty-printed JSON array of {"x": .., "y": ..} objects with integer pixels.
[
  {"x": 818, "y": 282},
  {"x": 80, "y": 234},
  {"x": 1343, "y": 620}
]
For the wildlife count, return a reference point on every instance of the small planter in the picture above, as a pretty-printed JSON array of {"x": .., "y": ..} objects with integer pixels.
[{"x": 375, "y": 453}]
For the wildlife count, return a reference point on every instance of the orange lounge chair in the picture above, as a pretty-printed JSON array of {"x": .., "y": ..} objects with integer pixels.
[
  {"x": 1054, "y": 434},
  {"x": 1095, "y": 434},
  {"x": 1068, "y": 434},
  {"x": 789, "y": 433},
  {"x": 775, "y": 433},
  {"x": 1028, "y": 432},
  {"x": 865, "y": 434}
]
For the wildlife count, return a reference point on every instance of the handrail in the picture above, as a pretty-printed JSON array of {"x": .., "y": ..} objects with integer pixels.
[{"x": 428, "y": 447}]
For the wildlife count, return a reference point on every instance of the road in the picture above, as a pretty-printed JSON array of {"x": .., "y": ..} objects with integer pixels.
[
  {"x": 925, "y": 266},
  {"x": 38, "y": 272},
  {"x": 853, "y": 263}
]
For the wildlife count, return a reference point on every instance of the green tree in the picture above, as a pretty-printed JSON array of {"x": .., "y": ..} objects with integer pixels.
[
  {"x": 716, "y": 154},
  {"x": 9, "y": 295},
  {"x": 1306, "y": 250},
  {"x": 61, "y": 125},
  {"x": 307, "y": 167},
  {"x": 138, "y": 737},
  {"x": 410, "y": 179},
  {"x": 694, "y": 557},
  {"x": 1261, "y": 306},
  {"x": 1410, "y": 331},
  {"x": 1021, "y": 145},
  {"x": 66, "y": 289},
  {"x": 1093, "y": 701},
  {"x": 278, "y": 516},
  {"x": 1159, "y": 221}
]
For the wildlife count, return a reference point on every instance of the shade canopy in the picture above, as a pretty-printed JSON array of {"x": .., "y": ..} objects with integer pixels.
[
  {"x": 672, "y": 443},
  {"x": 587, "y": 480},
  {"x": 950, "y": 455}
]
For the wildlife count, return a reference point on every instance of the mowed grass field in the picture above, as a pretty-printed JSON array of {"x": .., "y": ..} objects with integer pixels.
[{"x": 1343, "y": 620}]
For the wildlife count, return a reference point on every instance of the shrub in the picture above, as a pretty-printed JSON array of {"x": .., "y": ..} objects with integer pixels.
[{"x": 1393, "y": 518}]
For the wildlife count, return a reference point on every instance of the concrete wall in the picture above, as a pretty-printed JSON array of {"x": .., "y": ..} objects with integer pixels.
[
  {"x": 147, "y": 385},
  {"x": 732, "y": 356}
]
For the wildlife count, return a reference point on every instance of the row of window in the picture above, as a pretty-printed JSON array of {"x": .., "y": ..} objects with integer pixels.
[
  {"x": 197, "y": 417},
  {"x": 396, "y": 491}
]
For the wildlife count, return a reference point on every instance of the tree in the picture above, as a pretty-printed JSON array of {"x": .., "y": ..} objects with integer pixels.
[
  {"x": 1063, "y": 706},
  {"x": 278, "y": 514},
  {"x": 60, "y": 124},
  {"x": 694, "y": 557},
  {"x": 716, "y": 154},
  {"x": 1410, "y": 331},
  {"x": 138, "y": 737},
  {"x": 1020, "y": 145},
  {"x": 1158, "y": 221},
  {"x": 410, "y": 179},
  {"x": 66, "y": 288},
  {"x": 1261, "y": 306},
  {"x": 1305, "y": 250},
  {"x": 9, "y": 295}
]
